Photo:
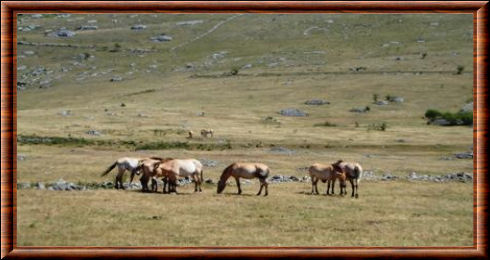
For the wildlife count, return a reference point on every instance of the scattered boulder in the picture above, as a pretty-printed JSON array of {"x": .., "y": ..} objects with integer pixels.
[
  {"x": 93, "y": 132},
  {"x": 396, "y": 99},
  {"x": 467, "y": 107},
  {"x": 23, "y": 185},
  {"x": 317, "y": 102},
  {"x": 293, "y": 112},
  {"x": 358, "y": 69},
  {"x": 282, "y": 150},
  {"x": 29, "y": 52},
  {"x": 138, "y": 27},
  {"x": 63, "y": 33},
  {"x": 464, "y": 155},
  {"x": 192, "y": 22},
  {"x": 40, "y": 186},
  {"x": 282, "y": 178},
  {"x": 87, "y": 27},
  {"x": 440, "y": 121},
  {"x": 381, "y": 102},
  {"x": 208, "y": 163},
  {"x": 65, "y": 113},
  {"x": 21, "y": 157},
  {"x": 360, "y": 109},
  {"x": 388, "y": 177},
  {"x": 116, "y": 79},
  {"x": 161, "y": 38}
]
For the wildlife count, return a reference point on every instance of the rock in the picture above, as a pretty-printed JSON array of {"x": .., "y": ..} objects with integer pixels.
[
  {"x": 92, "y": 21},
  {"x": 434, "y": 24},
  {"x": 65, "y": 112},
  {"x": 87, "y": 27},
  {"x": 381, "y": 102},
  {"x": 191, "y": 22},
  {"x": 464, "y": 155},
  {"x": 292, "y": 112},
  {"x": 23, "y": 185},
  {"x": 83, "y": 56},
  {"x": 306, "y": 179},
  {"x": 246, "y": 182},
  {"x": 21, "y": 157},
  {"x": 396, "y": 99},
  {"x": 29, "y": 53},
  {"x": 246, "y": 66},
  {"x": 37, "y": 16},
  {"x": 294, "y": 178},
  {"x": 39, "y": 71},
  {"x": 208, "y": 163},
  {"x": 282, "y": 150},
  {"x": 441, "y": 122},
  {"x": 22, "y": 67},
  {"x": 467, "y": 107},
  {"x": 161, "y": 38},
  {"x": 93, "y": 132},
  {"x": 40, "y": 186},
  {"x": 360, "y": 109},
  {"x": 388, "y": 176},
  {"x": 62, "y": 33},
  {"x": 316, "y": 102},
  {"x": 45, "y": 83},
  {"x": 358, "y": 69},
  {"x": 107, "y": 185},
  {"x": 138, "y": 27},
  {"x": 116, "y": 79}
]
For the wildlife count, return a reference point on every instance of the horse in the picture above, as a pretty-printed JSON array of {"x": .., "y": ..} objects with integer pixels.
[
  {"x": 206, "y": 132},
  {"x": 247, "y": 171},
  {"x": 353, "y": 173},
  {"x": 123, "y": 164},
  {"x": 328, "y": 174},
  {"x": 190, "y": 134},
  {"x": 179, "y": 168},
  {"x": 148, "y": 166}
]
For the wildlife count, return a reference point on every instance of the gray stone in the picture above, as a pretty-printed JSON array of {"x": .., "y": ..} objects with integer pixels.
[
  {"x": 381, "y": 102},
  {"x": 138, "y": 27},
  {"x": 464, "y": 155},
  {"x": 316, "y": 102},
  {"x": 360, "y": 109},
  {"x": 208, "y": 163},
  {"x": 282, "y": 150},
  {"x": 116, "y": 79},
  {"x": 21, "y": 157},
  {"x": 396, "y": 99},
  {"x": 23, "y": 185},
  {"x": 63, "y": 33},
  {"x": 467, "y": 107},
  {"x": 93, "y": 132},
  {"x": 441, "y": 122},
  {"x": 29, "y": 52},
  {"x": 293, "y": 112},
  {"x": 161, "y": 38},
  {"x": 191, "y": 22},
  {"x": 294, "y": 178},
  {"x": 87, "y": 27}
]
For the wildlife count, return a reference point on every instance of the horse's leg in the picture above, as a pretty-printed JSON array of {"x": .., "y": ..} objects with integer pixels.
[
  {"x": 312, "y": 185},
  {"x": 357, "y": 188},
  {"x": 200, "y": 180},
  {"x": 237, "y": 179},
  {"x": 195, "y": 177},
  {"x": 165, "y": 185},
  {"x": 261, "y": 186},
  {"x": 316, "y": 185},
  {"x": 266, "y": 188}
]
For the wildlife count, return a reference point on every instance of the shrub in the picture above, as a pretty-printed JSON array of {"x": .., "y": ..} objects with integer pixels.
[
  {"x": 459, "y": 69},
  {"x": 432, "y": 114},
  {"x": 378, "y": 126},
  {"x": 375, "y": 98},
  {"x": 325, "y": 124}
]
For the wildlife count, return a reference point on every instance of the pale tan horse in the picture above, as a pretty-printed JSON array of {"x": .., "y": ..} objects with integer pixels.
[
  {"x": 180, "y": 168},
  {"x": 124, "y": 164},
  {"x": 325, "y": 173},
  {"x": 353, "y": 173},
  {"x": 207, "y": 132},
  {"x": 245, "y": 170}
]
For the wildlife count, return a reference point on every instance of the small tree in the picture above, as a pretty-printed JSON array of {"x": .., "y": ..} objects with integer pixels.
[{"x": 459, "y": 69}]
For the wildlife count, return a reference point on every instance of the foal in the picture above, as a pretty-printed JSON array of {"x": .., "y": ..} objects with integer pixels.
[{"x": 325, "y": 173}]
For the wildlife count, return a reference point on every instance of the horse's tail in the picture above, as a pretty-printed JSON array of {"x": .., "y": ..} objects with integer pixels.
[
  {"x": 358, "y": 172},
  {"x": 109, "y": 169}
]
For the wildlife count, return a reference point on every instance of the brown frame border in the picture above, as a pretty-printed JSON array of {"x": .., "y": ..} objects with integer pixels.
[{"x": 9, "y": 9}]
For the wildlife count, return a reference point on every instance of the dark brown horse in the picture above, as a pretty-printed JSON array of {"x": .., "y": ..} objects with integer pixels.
[{"x": 353, "y": 173}]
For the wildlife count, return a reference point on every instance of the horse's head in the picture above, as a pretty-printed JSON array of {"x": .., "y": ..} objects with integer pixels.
[{"x": 221, "y": 186}]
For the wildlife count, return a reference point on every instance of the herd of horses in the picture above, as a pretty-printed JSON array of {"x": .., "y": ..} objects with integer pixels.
[{"x": 170, "y": 170}]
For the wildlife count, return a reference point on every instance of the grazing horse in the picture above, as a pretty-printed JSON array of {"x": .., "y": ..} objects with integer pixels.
[
  {"x": 325, "y": 173},
  {"x": 353, "y": 173},
  {"x": 123, "y": 164},
  {"x": 247, "y": 171},
  {"x": 190, "y": 134},
  {"x": 206, "y": 132},
  {"x": 179, "y": 168}
]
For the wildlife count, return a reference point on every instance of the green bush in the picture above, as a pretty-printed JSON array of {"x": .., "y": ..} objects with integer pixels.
[
  {"x": 459, "y": 118},
  {"x": 432, "y": 114}
]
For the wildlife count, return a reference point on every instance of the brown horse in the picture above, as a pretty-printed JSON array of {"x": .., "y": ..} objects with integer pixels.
[
  {"x": 247, "y": 171},
  {"x": 125, "y": 164},
  {"x": 147, "y": 166},
  {"x": 325, "y": 173},
  {"x": 353, "y": 173},
  {"x": 179, "y": 168}
]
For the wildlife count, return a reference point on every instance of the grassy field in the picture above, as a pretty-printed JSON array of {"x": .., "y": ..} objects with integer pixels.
[{"x": 234, "y": 73}]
